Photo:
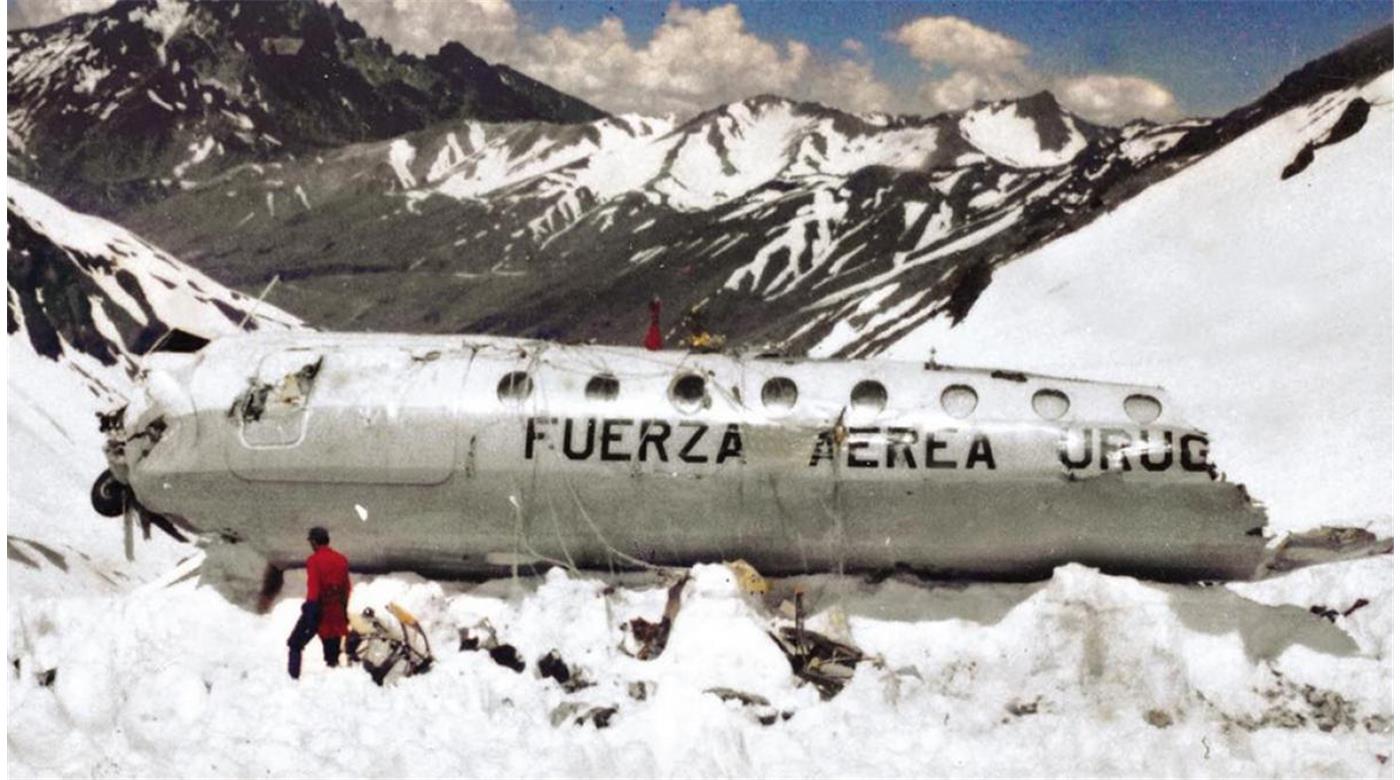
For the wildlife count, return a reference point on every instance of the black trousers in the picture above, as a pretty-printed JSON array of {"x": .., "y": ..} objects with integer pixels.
[{"x": 302, "y": 634}]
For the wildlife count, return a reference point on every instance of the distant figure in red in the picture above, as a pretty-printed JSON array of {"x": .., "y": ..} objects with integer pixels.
[
  {"x": 653, "y": 339},
  {"x": 324, "y": 612}
]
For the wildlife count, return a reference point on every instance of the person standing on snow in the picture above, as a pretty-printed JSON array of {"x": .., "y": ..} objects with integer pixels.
[
  {"x": 653, "y": 337},
  {"x": 325, "y": 611}
]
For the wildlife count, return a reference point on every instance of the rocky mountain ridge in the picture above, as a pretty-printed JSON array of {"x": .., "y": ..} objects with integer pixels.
[
  {"x": 775, "y": 223},
  {"x": 126, "y": 104}
]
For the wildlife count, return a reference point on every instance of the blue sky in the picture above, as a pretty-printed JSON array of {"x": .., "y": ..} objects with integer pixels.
[
  {"x": 1107, "y": 61},
  {"x": 1214, "y": 56}
]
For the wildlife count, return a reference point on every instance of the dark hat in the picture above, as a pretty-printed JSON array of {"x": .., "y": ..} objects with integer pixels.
[{"x": 318, "y": 535}]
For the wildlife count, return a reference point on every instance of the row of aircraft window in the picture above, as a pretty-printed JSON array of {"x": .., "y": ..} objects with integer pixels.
[{"x": 867, "y": 397}]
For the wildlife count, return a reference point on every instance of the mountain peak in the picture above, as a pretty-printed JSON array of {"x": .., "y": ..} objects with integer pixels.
[
  {"x": 249, "y": 81},
  {"x": 1040, "y": 103}
]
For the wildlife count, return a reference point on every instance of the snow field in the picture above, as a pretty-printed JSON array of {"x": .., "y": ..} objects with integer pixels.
[
  {"x": 1083, "y": 674},
  {"x": 1263, "y": 305}
]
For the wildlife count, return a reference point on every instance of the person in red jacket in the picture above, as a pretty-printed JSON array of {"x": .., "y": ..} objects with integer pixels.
[
  {"x": 325, "y": 611},
  {"x": 653, "y": 337}
]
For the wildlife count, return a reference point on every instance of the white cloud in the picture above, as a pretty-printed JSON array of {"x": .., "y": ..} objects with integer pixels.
[
  {"x": 956, "y": 42},
  {"x": 987, "y": 65},
  {"x": 694, "y": 60},
  {"x": 487, "y": 27},
  {"x": 21, "y": 14},
  {"x": 849, "y": 85},
  {"x": 966, "y": 87},
  {"x": 1110, "y": 99}
]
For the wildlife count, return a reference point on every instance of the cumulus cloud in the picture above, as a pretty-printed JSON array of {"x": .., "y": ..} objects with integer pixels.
[
  {"x": 958, "y": 43},
  {"x": 697, "y": 58},
  {"x": 963, "y": 88},
  {"x": 849, "y": 85},
  {"x": 1109, "y": 99},
  {"x": 983, "y": 64},
  {"x": 694, "y": 60},
  {"x": 487, "y": 27},
  {"x": 21, "y": 14}
]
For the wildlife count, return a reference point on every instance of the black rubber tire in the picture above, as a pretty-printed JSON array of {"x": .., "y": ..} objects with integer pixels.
[{"x": 108, "y": 495}]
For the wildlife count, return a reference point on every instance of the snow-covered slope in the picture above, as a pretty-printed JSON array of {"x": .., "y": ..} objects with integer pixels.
[
  {"x": 86, "y": 299},
  {"x": 1083, "y": 675},
  {"x": 1264, "y": 304},
  {"x": 1028, "y": 133}
]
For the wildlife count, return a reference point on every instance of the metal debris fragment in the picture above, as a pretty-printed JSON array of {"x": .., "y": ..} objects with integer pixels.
[{"x": 651, "y": 637}]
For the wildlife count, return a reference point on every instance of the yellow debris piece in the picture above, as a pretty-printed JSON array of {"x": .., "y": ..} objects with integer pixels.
[
  {"x": 360, "y": 624},
  {"x": 749, "y": 579},
  {"x": 405, "y": 617}
]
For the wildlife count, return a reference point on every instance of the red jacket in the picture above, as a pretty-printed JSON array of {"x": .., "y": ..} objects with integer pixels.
[
  {"x": 653, "y": 338},
  {"x": 328, "y": 584}
]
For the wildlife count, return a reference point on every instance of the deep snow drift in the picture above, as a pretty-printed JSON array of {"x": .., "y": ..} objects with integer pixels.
[
  {"x": 1082, "y": 675},
  {"x": 1263, "y": 305}
]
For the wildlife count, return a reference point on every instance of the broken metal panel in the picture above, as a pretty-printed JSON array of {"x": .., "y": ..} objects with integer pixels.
[{"x": 370, "y": 415}]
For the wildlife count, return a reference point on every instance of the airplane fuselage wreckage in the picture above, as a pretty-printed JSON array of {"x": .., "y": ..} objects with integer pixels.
[{"x": 468, "y": 456}]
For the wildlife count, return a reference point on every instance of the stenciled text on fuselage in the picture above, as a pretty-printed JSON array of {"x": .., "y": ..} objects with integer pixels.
[{"x": 694, "y": 442}]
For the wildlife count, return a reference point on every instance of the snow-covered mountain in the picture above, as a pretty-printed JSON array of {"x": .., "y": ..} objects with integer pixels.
[
  {"x": 86, "y": 300},
  {"x": 759, "y": 212},
  {"x": 773, "y": 222},
  {"x": 141, "y": 98}
]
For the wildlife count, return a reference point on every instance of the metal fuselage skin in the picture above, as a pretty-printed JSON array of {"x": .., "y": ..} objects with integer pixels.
[{"x": 454, "y": 455}]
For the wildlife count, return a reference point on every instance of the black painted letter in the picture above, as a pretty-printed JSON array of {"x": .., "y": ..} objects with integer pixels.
[
  {"x": 1086, "y": 440},
  {"x": 569, "y": 451},
  {"x": 981, "y": 452},
  {"x": 731, "y": 446},
  {"x": 533, "y": 435},
  {"x": 658, "y": 439},
  {"x": 854, "y": 443},
  {"x": 700, "y": 429},
  {"x": 1165, "y": 448},
  {"x": 611, "y": 436},
  {"x": 1195, "y": 460}
]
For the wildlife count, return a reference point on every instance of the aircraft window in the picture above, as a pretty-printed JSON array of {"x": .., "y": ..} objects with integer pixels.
[
  {"x": 603, "y": 387},
  {"x": 1143, "y": 409},
  {"x": 1050, "y": 404},
  {"x": 779, "y": 394},
  {"x": 688, "y": 392},
  {"x": 515, "y": 387},
  {"x": 958, "y": 401},
  {"x": 869, "y": 397}
]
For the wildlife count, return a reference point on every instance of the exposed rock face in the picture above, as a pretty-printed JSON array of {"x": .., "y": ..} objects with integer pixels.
[
  {"x": 772, "y": 222},
  {"x": 123, "y": 104}
]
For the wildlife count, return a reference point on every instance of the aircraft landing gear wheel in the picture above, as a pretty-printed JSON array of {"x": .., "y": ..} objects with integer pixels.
[{"x": 108, "y": 495}]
